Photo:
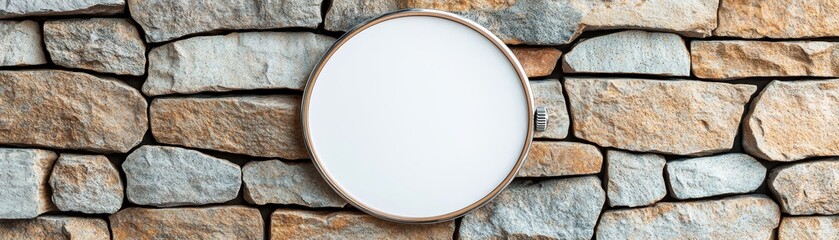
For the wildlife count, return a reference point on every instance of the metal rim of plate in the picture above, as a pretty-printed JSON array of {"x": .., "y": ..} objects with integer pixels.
[{"x": 409, "y": 13}]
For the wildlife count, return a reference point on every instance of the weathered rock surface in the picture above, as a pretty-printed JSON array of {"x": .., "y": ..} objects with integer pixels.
[
  {"x": 670, "y": 116},
  {"x": 546, "y": 22},
  {"x": 778, "y": 18},
  {"x": 225, "y": 222},
  {"x": 740, "y": 217},
  {"x": 23, "y": 182},
  {"x": 109, "y": 45},
  {"x": 264, "y": 126},
  {"x": 715, "y": 175},
  {"x": 55, "y": 227},
  {"x": 299, "y": 224},
  {"x": 71, "y": 111},
  {"x": 740, "y": 59},
  {"x": 807, "y": 188},
  {"x": 550, "y": 159},
  {"x": 20, "y": 43},
  {"x": 17, "y": 8},
  {"x": 343, "y": 15},
  {"x": 537, "y": 62},
  {"x": 550, "y": 209},
  {"x": 274, "y": 181},
  {"x": 634, "y": 179},
  {"x": 630, "y": 52},
  {"x": 165, "y": 20},
  {"x": 791, "y": 121},
  {"x": 170, "y": 176},
  {"x": 255, "y": 60},
  {"x": 809, "y": 228},
  {"x": 86, "y": 183},
  {"x": 691, "y": 18},
  {"x": 548, "y": 93}
]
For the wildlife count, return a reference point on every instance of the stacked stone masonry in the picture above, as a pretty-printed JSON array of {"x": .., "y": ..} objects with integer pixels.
[{"x": 670, "y": 119}]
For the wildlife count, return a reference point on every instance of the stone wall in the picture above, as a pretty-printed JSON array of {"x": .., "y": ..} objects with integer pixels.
[{"x": 671, "y": 119}]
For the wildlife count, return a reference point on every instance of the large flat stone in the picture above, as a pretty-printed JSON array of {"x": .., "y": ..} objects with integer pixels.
[
  {"x": 716, "y": 175},
  {"x": 287, "y": 224},
  {"x": 224, "y": 222},
  {"x": 20, "y": 43},
  {"x": 778, "y": 18},
  {"x": 19, "y": 8},
  {"x": 237, "y": 61},
  {"x": 55, "y": 227},
  {"x": 537, "y": 62},
  {"x": 274, "y": 181},
  {"x": 790, "y": 121},
  {"x": 630, "y": 52},
  {"x": 740, "y": 59},
  {"x": 540, "y": 22},
  {"x": 165, "y": 20},
  {"x": 23, "y": 182},
  {"x": 86, "y": 183},
  {"x": 664, "y": 116},
  {"x": 549, "y": 209},
  {"x": 71, "y": 111},
  {"x": 551, "y": 159},
  {"x": 263, "y": 126},
  {"x": 634, "y": 179},
  {"x": 548, "y": 93},
  {"x": 807, "y": 188},
  {"x": 170, "y": 176},
  {"x": 740, "y": 217},
  {"x": 109, "y": 45},
  {"x": 809, "y": 228}
]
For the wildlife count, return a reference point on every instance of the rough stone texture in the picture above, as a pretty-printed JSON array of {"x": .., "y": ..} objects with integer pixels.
[
  {"x": 670, "y": 116},
  {"x": 630, "y": 52},
  {"x": 343, "y": 15},
  {"x": 20, "y": 43},
  {"x": 550, "y": 159},
  {"x": 165, "y": 20},
  {"x": 546, "y": 22},
  {"x": 109, "y": 45},
  {"x": 170, "y": 176},
  {"x": 791, "y": 121},
  {"x": 809, "y": 228},
  {"x": 807, "y": 188},
  {"x": 278, "y": 182},
  {"x": 691, "y": 18},
  {"x": 225, "y": 222},
  {"x": 72, "y": 111},
  {"x": 55, "y": 227},
  {"x": 264, "y": 126},
  {"x": 255, "y": 60},
  {"x": 634, "y": 179},
  {"x": 778, "y": 18},
  {"x": 537, "y": 62},
  {"x": 23, "y": 182},
  {"x": 550, "y": 209},
  {"x": 548, "y": 93},
  {"x": 739, "y": 59},
  {"x": 22, "y": 8},
  {"x": 740, "y": 217},
  {"x": 716, "y": 175},
  {"x": 287, "y": 224},
  {"x": 86, "y": 183}
]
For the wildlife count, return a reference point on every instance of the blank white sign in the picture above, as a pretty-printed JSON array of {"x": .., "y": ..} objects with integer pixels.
[{"x": 417, "y": 118}]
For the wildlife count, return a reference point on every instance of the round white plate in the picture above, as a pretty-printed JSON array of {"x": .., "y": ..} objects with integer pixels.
[{"x": 418, "y": 116}]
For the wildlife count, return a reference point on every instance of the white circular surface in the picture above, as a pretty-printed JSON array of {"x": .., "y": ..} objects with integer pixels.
[{"x": 417, "y": 117}]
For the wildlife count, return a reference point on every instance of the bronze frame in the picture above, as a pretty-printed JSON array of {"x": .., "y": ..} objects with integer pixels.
[{"x": 406, "y": 13}]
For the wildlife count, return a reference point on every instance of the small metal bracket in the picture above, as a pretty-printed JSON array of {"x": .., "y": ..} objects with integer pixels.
[{"x": 541, "y": 118}]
